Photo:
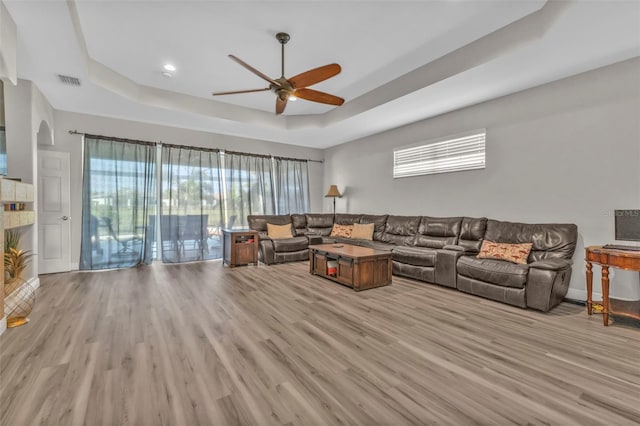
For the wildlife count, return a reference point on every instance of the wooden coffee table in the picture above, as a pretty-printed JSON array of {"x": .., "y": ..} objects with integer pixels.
[{"x": 360, "y": 268}]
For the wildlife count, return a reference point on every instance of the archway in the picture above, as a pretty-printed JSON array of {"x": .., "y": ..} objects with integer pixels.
[{"x": 45, "y": 134}]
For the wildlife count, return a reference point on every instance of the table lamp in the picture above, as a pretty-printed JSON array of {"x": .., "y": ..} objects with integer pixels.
[{"x": 333, "y": 193}]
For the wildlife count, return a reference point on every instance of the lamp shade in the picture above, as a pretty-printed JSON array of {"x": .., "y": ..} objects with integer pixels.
[{"x": 333, "y": 192}]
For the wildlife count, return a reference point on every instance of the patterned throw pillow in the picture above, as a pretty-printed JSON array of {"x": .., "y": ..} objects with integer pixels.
[
  {"x": 341, "y": 231},
  {"x": 516, "y": 253},
  {"x": 277, "y": 232},
  {"x": 362, "y": 231}
]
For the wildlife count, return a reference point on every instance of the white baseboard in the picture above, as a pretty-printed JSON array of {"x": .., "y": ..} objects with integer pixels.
[
  {"x": 3, "y": 325},
  {"x": 581, "y": 294},
  {"x": 74, "y": 266},
  {"x": 578, "y": 294}
]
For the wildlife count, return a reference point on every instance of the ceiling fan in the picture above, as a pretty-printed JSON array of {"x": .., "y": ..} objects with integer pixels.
[{"x": 295, "y": 87}]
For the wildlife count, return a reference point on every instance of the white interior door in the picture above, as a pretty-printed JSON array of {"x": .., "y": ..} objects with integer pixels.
[{"x": 54, "y": 222}]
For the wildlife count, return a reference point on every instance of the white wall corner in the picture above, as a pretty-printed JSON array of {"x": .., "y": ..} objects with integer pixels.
[{"x": 8, "y": 39}]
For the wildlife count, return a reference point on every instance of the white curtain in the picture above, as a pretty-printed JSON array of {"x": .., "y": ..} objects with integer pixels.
[
  {"x": 292, "y": 185},
  {"x": 248, "y": 187}
]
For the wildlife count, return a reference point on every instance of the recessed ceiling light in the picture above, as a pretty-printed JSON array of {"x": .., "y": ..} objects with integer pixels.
[
  {"x": 167, "y": 74},
  {"x": 292, "y": 98},
  {"x": 169, "y": 67}
]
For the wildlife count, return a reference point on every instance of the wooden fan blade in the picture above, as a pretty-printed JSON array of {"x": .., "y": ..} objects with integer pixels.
[
  {"x": 240, "y": 91},
  {"x": 280, "y": 105},
  {"x": 255, "y": 71},
  {"x": 316, "y": 96},
  {"x": 315, "y": 75}
]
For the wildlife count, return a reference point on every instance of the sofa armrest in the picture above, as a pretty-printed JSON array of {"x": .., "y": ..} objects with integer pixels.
[
  {"x": 263, "y": 236},
  {"x": 547, "y": 283},
  {"x": 459, "y": 249},
  {"x": 554, "y": 264}
]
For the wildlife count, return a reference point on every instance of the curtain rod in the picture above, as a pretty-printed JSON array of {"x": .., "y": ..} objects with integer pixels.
[{"x": 111, "y": 138}]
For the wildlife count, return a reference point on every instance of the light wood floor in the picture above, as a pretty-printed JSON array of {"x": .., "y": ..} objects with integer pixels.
[{"x": 200, "y": 344}]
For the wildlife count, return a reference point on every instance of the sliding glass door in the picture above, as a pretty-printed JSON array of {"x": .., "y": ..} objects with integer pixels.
[
  {"x": 128, "y": 219},
  {"x": 118, "y": 201}
]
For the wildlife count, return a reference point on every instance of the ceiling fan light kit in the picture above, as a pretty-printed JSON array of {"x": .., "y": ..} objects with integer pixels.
[{"x": 294, "y": 87}]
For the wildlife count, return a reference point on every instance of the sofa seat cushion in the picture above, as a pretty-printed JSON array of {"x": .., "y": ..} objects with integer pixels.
[
  {"x": 497, "y": 272},
  {"x": 291, "y": 244},
  {"x": 417, "y": 256}
]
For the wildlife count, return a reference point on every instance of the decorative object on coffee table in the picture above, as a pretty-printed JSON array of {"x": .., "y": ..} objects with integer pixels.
[
  {"x": 239, "y": 247},
  {"x": 334, "y": 193}
]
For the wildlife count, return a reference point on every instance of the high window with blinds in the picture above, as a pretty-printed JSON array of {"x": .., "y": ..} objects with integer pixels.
[{"x": 453, "y": 154}]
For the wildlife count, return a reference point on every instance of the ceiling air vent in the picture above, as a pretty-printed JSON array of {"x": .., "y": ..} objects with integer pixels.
[{"x": 68, "y": 80}]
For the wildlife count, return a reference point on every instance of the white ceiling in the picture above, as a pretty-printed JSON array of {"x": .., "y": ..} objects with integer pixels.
[{"x": 401, "y": 61}]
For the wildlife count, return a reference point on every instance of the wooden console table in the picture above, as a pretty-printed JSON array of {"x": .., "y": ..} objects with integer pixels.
[{"x": 605, "y": 257}]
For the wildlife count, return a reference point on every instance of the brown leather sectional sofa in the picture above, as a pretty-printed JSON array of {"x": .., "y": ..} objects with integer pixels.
[{"x": 443, "y": 251}]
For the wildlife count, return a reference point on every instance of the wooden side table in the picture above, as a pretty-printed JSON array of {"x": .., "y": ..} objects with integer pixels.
[
  {"x": 607, "y": 257},
  {"x": 239, "y": 247}
]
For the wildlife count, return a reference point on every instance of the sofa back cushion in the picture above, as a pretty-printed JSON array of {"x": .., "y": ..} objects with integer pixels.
[
  {"x": 347, "y": 219},
  {"x": 550, "y": 240},
  {"x": 299, "y": 222},
  {"x": 259, "y": 222},
  {"x": 379, "y": 223},
  {"x": 472, "y": 232},
  {"x": 437, "y": 232},
  {"x": 320, "y": 223},
  {"x": 401, "y": 230}
]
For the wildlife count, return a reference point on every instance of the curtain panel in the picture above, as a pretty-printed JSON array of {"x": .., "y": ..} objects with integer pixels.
[
  {"x": 118, "y": 189},
  {"x": 248, "y": 188},
  {"x": 127, "y": 220},
  {"x": 292, "y": 186},
  {"x": 191, "y": 205}
]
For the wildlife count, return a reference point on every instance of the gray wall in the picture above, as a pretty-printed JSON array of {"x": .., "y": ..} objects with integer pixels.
[
  {"x": 25, "y": 112},
  {"x": 568, "y": 151},
  {"x": 66, "y": 142}
]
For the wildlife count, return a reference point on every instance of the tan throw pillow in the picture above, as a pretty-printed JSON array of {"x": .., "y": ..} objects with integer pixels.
[
  {"x": 516, "y": 253},
  {"x": 362, "y": 231},
  {"x": 277, "y": 232},
  {"x": 341, "y": 231}
]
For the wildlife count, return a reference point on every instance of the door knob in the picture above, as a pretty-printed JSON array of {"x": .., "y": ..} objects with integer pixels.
[{"x": 65, "y": 218}]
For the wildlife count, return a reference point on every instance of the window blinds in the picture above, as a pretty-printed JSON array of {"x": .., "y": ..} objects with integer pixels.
[{"x": 451, "y": 155}]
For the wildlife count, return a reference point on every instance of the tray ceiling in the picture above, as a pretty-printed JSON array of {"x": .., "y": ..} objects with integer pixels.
[{"x": 401, "y": 61}]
